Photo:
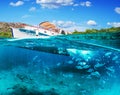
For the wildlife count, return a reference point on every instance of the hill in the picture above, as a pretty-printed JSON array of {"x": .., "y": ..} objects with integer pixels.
[{"x": 5, "y": 28}]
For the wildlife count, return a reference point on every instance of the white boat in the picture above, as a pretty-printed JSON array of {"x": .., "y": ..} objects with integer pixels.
[
  {"x": 32, "y": 33},
  {"x": 45, "y": 29}
]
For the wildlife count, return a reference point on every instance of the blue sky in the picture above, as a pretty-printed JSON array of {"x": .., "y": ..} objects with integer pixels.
[{"x": 66, "y": 14}]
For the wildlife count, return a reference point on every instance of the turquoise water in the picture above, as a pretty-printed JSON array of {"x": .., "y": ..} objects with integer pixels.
[{"x": 58, "y": 66}]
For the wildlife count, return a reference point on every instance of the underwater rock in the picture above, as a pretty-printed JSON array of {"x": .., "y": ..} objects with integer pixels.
[
  {"x": 21, "y": 77},
  {"x": 24, "y": 78},
  {"x": 61, "y": 82},
  {"x": 20, "y": 89}
]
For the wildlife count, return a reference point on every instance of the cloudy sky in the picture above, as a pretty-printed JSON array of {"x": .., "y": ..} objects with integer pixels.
[{"x": 67, "y": 14}]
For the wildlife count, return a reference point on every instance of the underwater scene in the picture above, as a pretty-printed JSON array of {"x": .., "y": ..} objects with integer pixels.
[{"x": 59, "y": 66}]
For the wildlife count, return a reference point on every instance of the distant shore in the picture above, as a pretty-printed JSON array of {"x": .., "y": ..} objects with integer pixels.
[{"x": 6, "y": 31}]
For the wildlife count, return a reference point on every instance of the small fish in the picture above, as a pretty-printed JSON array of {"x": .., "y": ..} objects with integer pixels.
[
  {"x": 90, "y": 70},
  {"x": 108, "y": 54},
  {"x": 96, "y": 74},
  {"x": 70, "y": 62},
  {"x": 111, "y": 69},
  {"x": 82, "y": 63},
  {"x": 115, "y": 58},
  {"x": 79, "y": 67},
  {"x": 99, "y": 65},
  {"x": 86, "y": 66}
]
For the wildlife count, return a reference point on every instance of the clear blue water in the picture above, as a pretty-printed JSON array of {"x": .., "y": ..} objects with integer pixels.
[{"x": 58, "y": 66}]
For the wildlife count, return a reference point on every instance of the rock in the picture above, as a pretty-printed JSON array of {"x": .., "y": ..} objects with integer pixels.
[{"x": 4, "y": 27}]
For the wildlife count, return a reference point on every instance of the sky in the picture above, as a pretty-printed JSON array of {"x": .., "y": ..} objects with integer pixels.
[{"x": 69, "y": 15}]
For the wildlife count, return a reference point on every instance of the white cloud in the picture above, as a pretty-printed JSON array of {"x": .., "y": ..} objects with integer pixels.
[
  {"x": 117, "y": 10},
  {"x": 76, "y": 5},
  {"x": 78, "y": 28},
  {"x": 69, "y": 26},
  {"x": 64, "y": 24},
  {"x": 114, "y": 24},
  {"x": 32, "y": 9},
  {"x": 91, "y": 23},
  {"x": 54, "y": 3},
  {"x": 18, "y": 3},
  {"x": 87, "y": 3},
  {"x": 25, "y": 16}
]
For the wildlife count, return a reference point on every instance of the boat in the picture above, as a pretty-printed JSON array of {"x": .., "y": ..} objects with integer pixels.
[
  {"x": 30, "y": 33},
  {"x": 45, "y": 29}
]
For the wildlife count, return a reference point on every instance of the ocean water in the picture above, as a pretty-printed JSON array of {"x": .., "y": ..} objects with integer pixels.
[{"x": 58, "y": 66}]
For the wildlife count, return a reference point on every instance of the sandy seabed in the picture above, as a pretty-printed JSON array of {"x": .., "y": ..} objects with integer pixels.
[{"x": 26, "y": 81}]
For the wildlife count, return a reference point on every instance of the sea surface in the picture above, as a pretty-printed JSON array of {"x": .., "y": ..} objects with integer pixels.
[{"x": 60, "y": 65}]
